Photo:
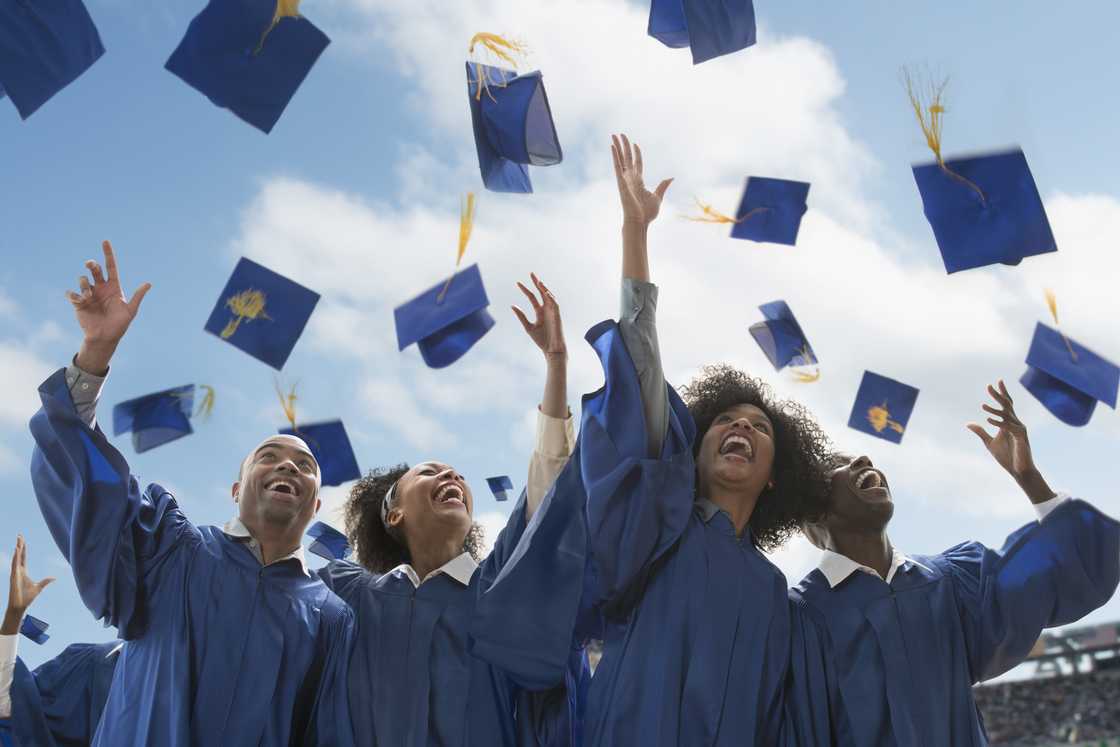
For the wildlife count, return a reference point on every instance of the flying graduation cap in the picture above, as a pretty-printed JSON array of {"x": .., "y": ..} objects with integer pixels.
[
  {"x": 262, "y": 313},
  {"x": 249, "y": 56},
  {"x": 710, "y": 28},
  {"x": 44, "y": 47},
  {"x": 500, "y": 486},
  {"x": 983, "y": 209},
  {"x": 782, "y": 340},
  {"x": 1068, "y": 378},
  {"x": 770, "y": 211},
  {"x": 159, "y": 418},
  {"x": 883, "y": 407},
  {"x": 35, "y": 629},
  {"x": 328, "y": 442},
  {"x": 445, "y": 328},
  {"x": 512, "y": 121},
  {"x": 328, "y": 543}
]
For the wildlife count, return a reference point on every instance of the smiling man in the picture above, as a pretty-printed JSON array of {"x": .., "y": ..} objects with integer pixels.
[
  {"x": 899, "y": 639},
  {"x": 230, "y": 639}
]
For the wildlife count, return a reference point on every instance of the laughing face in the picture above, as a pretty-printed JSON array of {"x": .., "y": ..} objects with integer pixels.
[
  {"x": 859, "y": 499},
  {"x": 432, "y": 500},
  {"x": 279, "y": 485},
  {"x": 737, "y": 452}
]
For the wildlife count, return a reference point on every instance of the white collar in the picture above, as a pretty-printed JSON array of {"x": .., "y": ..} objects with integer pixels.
[
  {"x": 236, "y": 528},
  {"x": 836, "y": 567},
  {"x": 461, "y": 568}
]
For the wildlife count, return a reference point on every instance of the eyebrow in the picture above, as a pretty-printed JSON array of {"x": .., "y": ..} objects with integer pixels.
[{"x": 277, "y": 447}]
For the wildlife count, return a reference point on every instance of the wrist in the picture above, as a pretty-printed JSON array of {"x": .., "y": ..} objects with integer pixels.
[
  {"x": 12, "y": 620},
  {"x": 634, "y": 224},
  {"x": 556, "y": 358},
  {"x": 1034, "y": 485},
  {"x": 94, "y": 355}
]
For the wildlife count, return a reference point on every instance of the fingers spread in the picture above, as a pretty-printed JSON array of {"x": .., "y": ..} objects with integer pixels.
[
  {"x": 979, "y": 431},
  {"x": 138, "y": 297},
  {"x": 110, "y": 260},
  {"x": 627, "y": 153},
  {"x": 522, "y": 318},
  {"x": 663, "y": 187},
  {"x": 531, "y": 296}
]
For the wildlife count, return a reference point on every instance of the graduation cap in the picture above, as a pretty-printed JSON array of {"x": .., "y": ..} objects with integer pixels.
[
  {"x": 513, "y": 126},
  {"x": 249, "y": 56},
  {"x": 35, "y": 629},
  {"x": 983, "y": 209},
  {"x": 261, "y": 312},
  {"x": 331, "y": 448},
  {"x": 329, "y": 543},
  {"x": 782, "y": 340},
  {"x": 44, "y": 47},
  {"x": 771, "y": 210},
  {"x": 1068, "y": 378},
  {"x": 500, "y": 486},
  {"x": 159, "y": 418},
  {"x": 883, "y": 407},
  {"x": 444, "y": 329},
  {"x": 711, "y": 28}
]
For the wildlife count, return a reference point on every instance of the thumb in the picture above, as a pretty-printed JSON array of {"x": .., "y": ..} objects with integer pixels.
[
  {"x": 45, "y": 583},
  {"x": 137, "y": 297},
  {"x": 980, "y": 432},
  {"x": 663, "y": 187}
]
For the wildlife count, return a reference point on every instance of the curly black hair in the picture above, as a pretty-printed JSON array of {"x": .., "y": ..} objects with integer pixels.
[
  {"x": 801, "y": 449},
  {"x": 378, "y": 549}
]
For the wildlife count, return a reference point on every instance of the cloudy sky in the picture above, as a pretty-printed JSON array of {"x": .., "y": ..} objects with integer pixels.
[{"x": 356, "y": 193}]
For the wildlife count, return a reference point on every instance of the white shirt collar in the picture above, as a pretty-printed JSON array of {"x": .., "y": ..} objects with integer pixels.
[
  {"x": 461, "y": 568},
  {"x": 836, "y": 567},
  {"x": 236, "y": 528}
]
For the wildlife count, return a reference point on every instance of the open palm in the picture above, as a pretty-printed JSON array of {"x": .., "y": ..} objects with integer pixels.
[
  {"x": 101, "y": 308},
  {"x": 1010, "y": 445},
  {"x": 639, "y": 205},
  {"x": 23, "y": 591},
  {"x": 546, "y": 330}
]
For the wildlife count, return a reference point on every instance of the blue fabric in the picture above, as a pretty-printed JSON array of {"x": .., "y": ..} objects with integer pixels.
[
  {"x": 883, "y": 407},
  {"x": 445, "y": 330},
  {"x": 223, "y": 57},
  {"x": 906, "y": 655},
  {"x": 694, "y": 620},
  {"x": 60, "y": 703},
  {"x": 712, "y": 28},
  {"x": 271, "y": 335},
  {"x": 501, "y": 486},
  {"x": 155, "y": 419},
  {"x": 5, "y": 725},
  {"x": 220, "y": 650},
  {"x": 781, "y": 338},
  {"x": 44, "y": 47},
  {"x": 513, "y": 127},
  {"x": 35, "y": 629},
  {"x": 329, "y": 543},
  {"x": 1006, "y": 225},
  {"x": 1068, "y": 388},
  {"x": 471, "y": 665},
  {"x": 331, "y": 448},
  {"x": 780, "y": 204}
]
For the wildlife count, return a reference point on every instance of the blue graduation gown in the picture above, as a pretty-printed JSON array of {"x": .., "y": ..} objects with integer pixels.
[
  {"x": 60, "y": 703},
  {"x": 695, "y": 620},
  {"x": 904, "y": 656},
  {"x": 448, "y": 664},
  {"x": 220, "y": 649}
]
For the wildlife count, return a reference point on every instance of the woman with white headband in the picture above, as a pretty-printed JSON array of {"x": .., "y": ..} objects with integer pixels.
[{"x": 452, "y": 648}]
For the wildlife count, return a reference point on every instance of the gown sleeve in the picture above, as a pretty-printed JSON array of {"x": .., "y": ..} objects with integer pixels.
[
  {"x": 118, "y": 540},
  {"x": 60, "y": 703},
  {"x": 331, "y": 725},
  {"x": 1048, "y": 573},
  {"x": 637, "y": 507},
  {"x": 813, "y": 715},
  {"x": 554, "y": 717}
]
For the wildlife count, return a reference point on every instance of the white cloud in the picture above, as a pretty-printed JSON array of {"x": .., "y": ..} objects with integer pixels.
[
  {"x": 493, "y": 522},
  {"x": 796, "y": 558},
  {"x": 10, "y": 464},
  {"x": 21, "y": 372}
]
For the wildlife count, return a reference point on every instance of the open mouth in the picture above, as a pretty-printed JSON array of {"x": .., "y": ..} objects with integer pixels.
[
  {"x": 449, "y": 494},
  {"x": 283, "y": 486},
  {"x": 736, "y": 446},
  {"x": 870, "y": 480}
]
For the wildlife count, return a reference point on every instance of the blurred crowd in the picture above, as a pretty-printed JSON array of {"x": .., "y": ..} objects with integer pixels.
[{"x": 1078, "y": 709}]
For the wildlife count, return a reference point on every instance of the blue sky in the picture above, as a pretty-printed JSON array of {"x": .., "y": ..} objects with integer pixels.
[{"x": 355, "y": 193}]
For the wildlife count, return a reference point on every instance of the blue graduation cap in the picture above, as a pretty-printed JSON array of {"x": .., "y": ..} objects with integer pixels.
[
  {"x": 44, "y": 47},
  {"x": 711, "y": 28},
  {"x": 262, "y": 313},
  {"x": 35, "y": 629},
  {"x": 329, "y": 543},
  {"x": 771, "y": 210},
  {"x": 249, "y": 56},
  {"x": 513, "y": 126},
  {"x": 500, "y": 486},
  {"x": 158, "y": 418},
  {"x": 883, "y": 407},
  {"x": 445, "y": 329},
  {"x": 1070, "y": 379},
  {"x": 984, "y": 210},
  {"x": 331, "y": 448},
  {"x": 781, "y": 338}
]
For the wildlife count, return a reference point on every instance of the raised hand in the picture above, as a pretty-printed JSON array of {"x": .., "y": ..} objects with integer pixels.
[
  {"x": 546, "y": 330},
  {"x": 1010, "y": 446},
  {"x": 639, "y": 205},
  {"x": 22, "y": 591},
  {"x": 103, "y": 312}
]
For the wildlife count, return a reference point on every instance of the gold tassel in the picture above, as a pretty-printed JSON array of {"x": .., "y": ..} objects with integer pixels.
[
  {"x": 709, "y": 214},
  {"x": 931, "y": 127},
  {"x": 288, "y": 403},
  {"x": 1052, "y": 302},
  {"x": 804, "y": 377},
  {"x": 466, "y": 227},
  {"x": 246, "y": 305},
  {"x": 206, "y": 406},
  {"x": 284, "y": 9},
  {"x": 504, "y": 49},
  {"x": 880, "y": 418}
]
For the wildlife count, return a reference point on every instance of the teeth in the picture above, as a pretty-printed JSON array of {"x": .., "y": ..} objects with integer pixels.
[
  {"x": 733, "y": 440},
  {"x": 447, "y": 492},
  {"x": 869, "y": 479}
]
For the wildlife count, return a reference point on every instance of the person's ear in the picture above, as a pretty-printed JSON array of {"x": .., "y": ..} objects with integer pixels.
[
  {"x": 235, "y": 491},
  {"x": 394, "y": 517},
  {"x": 318, "y": 504}
]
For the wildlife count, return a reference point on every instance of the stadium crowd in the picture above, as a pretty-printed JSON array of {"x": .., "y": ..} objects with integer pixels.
[{"x": 1079, "y": 709}]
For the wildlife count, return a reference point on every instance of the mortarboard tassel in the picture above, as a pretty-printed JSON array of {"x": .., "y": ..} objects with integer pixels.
[
  {"x": 288, "y": 403},
  {"x": 1052, "y": 302},
  {"x": 246, "y": 305},
  {"x": 804, "y": 377},
  {"x": 931, "y": 128},
  {"x": 880, "y": 418},
  {"x": 466, "y": 226},
  {"x": 284, "y": 9},
  {"x": 206, "y": 406},
  {"x": 710, "y": 215},
  {"x": 504, "y": 49}
]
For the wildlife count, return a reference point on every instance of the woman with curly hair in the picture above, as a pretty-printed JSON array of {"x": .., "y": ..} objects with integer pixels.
[
  {"x": 682, "y": 498},
  {"x": 451, "y": 647}
]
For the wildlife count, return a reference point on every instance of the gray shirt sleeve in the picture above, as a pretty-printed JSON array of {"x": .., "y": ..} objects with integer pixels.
[
  {"x": 85, "y": 390},
  {"x": 637, "y": 320}
]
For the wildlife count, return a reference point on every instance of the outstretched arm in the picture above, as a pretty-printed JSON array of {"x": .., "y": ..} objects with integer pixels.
[
  {"x": 22, "y": 591},
  {"x": 555, "y": 437}
]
